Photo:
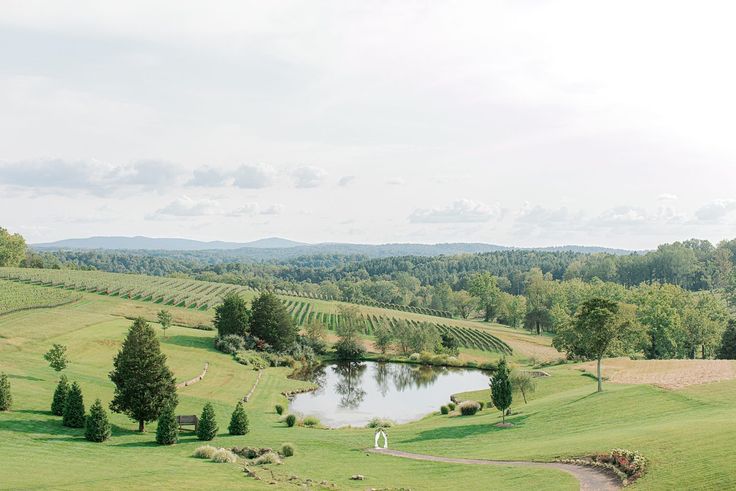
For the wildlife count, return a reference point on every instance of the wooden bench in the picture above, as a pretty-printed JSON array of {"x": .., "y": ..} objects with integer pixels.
[{"x": 188, "y": 420}]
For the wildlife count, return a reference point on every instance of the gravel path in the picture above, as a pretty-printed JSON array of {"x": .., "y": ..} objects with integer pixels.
[{"x": 591, "y": 479}]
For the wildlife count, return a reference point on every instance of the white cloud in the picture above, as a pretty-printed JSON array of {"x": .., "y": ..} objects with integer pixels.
[
  {"x": 188, "y": 207},
  {"x": 395, "y": 181},
  {"x": 716, "y": 210},
  {"x": 245, "y": 210},
  {"x": 276, "y": 209},
  {"x": 460, "y": 211},
  {"x": 209, "y": 177},
  {"x": 345, "y": 181},
  {"x": 544, "y": 217},
  {"x": 308, "y": 176},
  {"x": 254, "y": 176},
  {"x": 93, "y": 176}
]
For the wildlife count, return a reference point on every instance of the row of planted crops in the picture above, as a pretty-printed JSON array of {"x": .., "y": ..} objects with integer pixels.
[
  {"x": 18, "y": 296},
  {"x": 177, "y": 292},
  {"x": 186, "y": 293},
  {"x": 303, "y": 312},
  {"x": 373, "y": 303}
]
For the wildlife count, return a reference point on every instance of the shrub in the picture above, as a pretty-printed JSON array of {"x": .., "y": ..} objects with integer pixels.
[
  {"x": 205, "y": 452},
  {"x": 290, "y": 420},
  {"x": 167, "y": 431},
  {"x": 62, "y": 389},
  {"x": 415, "y": 357},
  {"x": 224, "y": 456},
  {"x": 267, "y": 458},
  {"x": 6, "y": 398},
  {"x": 97, "y": 426},
  {"x": 287, "y": 450},
  {"x": 469, "y": 408},
  {"x": 238, "y": 421},
  {"x": 74, "y": 408},
  {"x": 451, "y": 405},
  {"x": 444, "y": 410},
  {"x": 426, "y": 358},
  {"x": 380, "y": 423},
  {"x": 207, "y": 429},
  {"x": 481, "y": 405},
  {"x": 252, "y": 359},
  {"x": 311, "y": 421},
  {"x": 279, "y": 409},
  {"x": 488, "y": 366},
  {"x": 230, "y": 343},
  {"x": 471, "y": 364}
]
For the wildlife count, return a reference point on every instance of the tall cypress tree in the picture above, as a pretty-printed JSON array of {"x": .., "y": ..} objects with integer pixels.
[
  {"x": 271, "y": 322},
  {"x": 97, "y": 426},
  {"x": 74, "y": 408},
  {"x": 167, "y": 431},
  {"x": 207, "y": 429},
  {"x": 501, "y": 389},
  {"x": 144, "y": 385},
  {"x": 238, "y": 421},
  {"x": 232, "y": 316},
  {"x": 6, "y": 398},
  {"x": 62, "y": 389}
]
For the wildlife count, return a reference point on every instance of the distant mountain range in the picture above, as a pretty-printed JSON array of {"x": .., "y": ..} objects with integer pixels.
[{"x": 278, "y": 248}]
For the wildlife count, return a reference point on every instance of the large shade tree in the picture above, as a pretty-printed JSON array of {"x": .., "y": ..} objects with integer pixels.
[
  {"x": 600, "y": 328},
  {"x": 270, "y": 321},
  {"x": 12, "y": 248},
  {"x": 232, "y": 316},
  {"x": 144, "y": 385}
]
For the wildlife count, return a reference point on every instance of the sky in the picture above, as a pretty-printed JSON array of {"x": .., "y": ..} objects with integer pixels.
[{"x": 521, "y": 123}]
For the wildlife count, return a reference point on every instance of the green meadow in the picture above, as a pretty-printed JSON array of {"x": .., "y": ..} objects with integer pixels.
[{"x": 687, "y": 434}]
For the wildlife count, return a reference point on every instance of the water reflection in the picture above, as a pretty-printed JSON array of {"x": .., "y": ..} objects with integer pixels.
[{"x": 353, "y": 393}]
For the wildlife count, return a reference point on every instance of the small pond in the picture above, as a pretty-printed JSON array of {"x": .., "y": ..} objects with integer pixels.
[{"x": 354, "y": 393}]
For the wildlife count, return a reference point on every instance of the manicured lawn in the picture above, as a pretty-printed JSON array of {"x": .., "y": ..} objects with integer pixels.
[{"x": 687, "y": 434}]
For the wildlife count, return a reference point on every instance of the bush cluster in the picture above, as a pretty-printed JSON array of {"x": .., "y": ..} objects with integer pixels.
[
  {"x": 469, "y": 408},
  {"x": 224, "y": 456},
  {"x": 451, "y": 405},
  {"x": 444, "y": 410},
  {"x": 310, "y": 421},
  {"x": 631, "y": 463},
  {"x": 267, "y": 458},
  {"x": 290, "y": 420},
  {"x": 230, "y": 343},
  {"x": 287, "y": 450},
  {"x": 205, "y": 452},
  {"x": 279, "y": 409},
  {"x": 380, "y": 423}
]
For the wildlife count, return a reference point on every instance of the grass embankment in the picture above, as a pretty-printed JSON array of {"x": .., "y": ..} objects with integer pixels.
[{"x": 687, "y": 434}]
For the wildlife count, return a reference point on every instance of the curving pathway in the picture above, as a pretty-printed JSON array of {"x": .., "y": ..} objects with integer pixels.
[{"x": 590, "y": 478}]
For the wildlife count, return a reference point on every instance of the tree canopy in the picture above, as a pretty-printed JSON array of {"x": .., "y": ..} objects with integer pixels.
[
  {"x": 271, "y": 322},
  {"x": 12, "y": 248},
  {"x": 144, "y": 385}
]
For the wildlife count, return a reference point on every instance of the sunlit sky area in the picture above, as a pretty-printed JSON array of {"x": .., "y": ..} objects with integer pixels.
[{"x": 518, "y": 123}]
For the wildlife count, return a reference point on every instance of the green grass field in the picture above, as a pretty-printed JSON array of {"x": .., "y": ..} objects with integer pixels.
[{"x": 687, "y": 434}]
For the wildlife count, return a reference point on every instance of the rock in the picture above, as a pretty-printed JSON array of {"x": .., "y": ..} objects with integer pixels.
[{"x": 358, "y": 477}]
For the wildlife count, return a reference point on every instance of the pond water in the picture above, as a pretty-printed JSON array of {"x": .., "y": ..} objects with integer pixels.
[{"x": 354, "y": 393}]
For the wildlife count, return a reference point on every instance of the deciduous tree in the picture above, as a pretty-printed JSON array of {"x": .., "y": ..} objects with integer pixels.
[
  {"x": 232, "y": 316},
  {"x": 56, "y": 356},
  {"x": 6, "y": 398},
  {"x": 164, "y": 319}
]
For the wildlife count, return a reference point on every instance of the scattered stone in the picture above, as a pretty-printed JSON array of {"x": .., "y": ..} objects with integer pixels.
[{"x": 358, "y": 477}]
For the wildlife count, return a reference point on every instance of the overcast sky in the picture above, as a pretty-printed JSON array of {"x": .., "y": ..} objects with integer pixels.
[{"x": 520, "y": 122}]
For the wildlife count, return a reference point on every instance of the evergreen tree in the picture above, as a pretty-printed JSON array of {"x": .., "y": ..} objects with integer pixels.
[
  {"x": 728, "y": 342},
  {"x": 167, "y": 432},
  {"x": 144, "y": 385},
  {"x": 6, "y": 398},
  {"x": 270, "y": 321},
  {"x": 62, "y": 389},
  {"x": 207, "y": 429},
  {"x": 501, "y": 389},
  {"x": 74, "y": 408},
  {"x": 238, "y": 421},
  {"x": 97, "y": 427},
  {"x": 232, "y": 316}
]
